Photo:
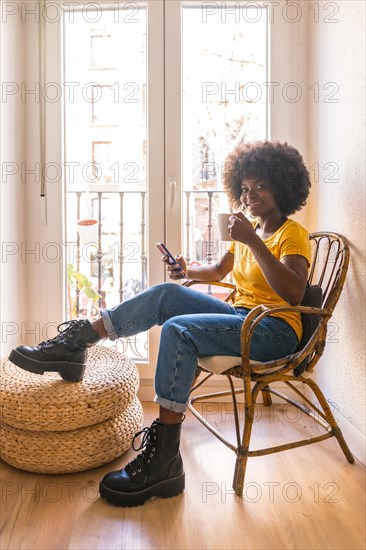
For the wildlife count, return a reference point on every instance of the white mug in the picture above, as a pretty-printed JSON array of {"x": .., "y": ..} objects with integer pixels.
[{"x": 222, "y": 224}]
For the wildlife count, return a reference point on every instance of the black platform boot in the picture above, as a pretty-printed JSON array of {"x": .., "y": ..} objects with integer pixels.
[
  {"x": 65, "y": 354},
  {"x": 156, "y": 472}
]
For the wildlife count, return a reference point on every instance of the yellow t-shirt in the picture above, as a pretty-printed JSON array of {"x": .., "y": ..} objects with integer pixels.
[{"x": 252, "y": 287}]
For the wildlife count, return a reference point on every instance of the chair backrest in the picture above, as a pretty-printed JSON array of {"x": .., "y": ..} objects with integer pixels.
[
  {"x": 329, "y": 266},
  {"x": 330, "y": 258}
]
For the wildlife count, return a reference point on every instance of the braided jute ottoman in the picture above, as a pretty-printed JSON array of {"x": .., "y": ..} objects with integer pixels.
[{"x": 51, "y": 426}]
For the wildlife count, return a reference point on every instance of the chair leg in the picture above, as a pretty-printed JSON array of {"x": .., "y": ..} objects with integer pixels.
[
  {"x": 239, "y": 475},
  {"x": 267, "y": 398},
  {"x": 330, "y": 419},
  {"x": 196, "y": 377},
  {"x": 242, "y": 453}
]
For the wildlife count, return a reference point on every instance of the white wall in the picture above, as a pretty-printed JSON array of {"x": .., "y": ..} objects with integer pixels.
[
  {"x": 13, "y": 276},
  {"x": 337, "y": 135}
]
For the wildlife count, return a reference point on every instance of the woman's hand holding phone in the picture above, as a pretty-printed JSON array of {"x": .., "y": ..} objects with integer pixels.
[
  {"x": 175, "y": 272},
  {"x": 175, "y": 266}
]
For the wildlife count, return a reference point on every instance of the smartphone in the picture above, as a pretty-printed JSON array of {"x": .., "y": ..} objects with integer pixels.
[{"x": 171, "y": 260}]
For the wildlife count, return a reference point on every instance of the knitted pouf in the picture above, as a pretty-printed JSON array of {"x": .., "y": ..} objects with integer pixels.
[
  {"x": 73, "y": 451},
  {"x": 49, "y": 426},
  {"x": 48, "y": 403}
]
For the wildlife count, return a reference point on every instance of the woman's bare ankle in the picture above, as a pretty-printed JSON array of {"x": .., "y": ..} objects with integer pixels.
[
  {"x": 169, "y": 417},
  {"x": 98, "y": 326}
]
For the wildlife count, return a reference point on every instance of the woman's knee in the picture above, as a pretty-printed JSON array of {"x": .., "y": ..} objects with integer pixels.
[
  {"x": 172, "y": 327},
  {"x": 168, "y": 291}
]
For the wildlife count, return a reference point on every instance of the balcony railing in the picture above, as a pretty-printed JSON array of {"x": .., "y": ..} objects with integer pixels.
[{"x": 117, "y": 263}]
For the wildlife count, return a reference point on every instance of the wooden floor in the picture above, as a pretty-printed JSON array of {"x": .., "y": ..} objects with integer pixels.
[{"x": 308, "y": 498}]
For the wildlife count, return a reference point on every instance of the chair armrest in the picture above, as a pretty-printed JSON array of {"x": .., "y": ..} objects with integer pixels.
[
  {"x": 258, "y": 313},
  {"x": 283, "y": 364}
]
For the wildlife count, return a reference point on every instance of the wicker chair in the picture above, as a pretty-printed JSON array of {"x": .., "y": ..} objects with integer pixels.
[{"x": 328, "y": 270}]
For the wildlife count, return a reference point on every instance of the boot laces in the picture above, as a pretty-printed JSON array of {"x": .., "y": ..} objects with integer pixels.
[
  {"x": 148, "y": 447},
  {"x": 68, "y": 332}
]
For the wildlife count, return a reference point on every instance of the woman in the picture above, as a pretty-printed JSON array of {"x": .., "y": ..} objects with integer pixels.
[{"x": 269, "y": 258}]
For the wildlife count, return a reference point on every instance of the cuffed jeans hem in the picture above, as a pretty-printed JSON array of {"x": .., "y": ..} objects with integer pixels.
[
  {"x": 170, "y": 405},
  {"x": 108, "y": 324}
]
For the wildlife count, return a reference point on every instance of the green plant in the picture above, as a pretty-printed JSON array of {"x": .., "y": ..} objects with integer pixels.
[{"x": 80, "y": 284}]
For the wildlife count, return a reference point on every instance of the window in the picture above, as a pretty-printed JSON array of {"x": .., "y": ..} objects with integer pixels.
[{"x": 221, "y": 107}]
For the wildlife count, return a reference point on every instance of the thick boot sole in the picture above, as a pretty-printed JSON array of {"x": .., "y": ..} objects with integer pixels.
[
  {"x": 72, "y": 372},
  {"x": 164, "y": 489}
]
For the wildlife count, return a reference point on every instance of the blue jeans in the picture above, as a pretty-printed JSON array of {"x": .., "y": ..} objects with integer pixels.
[{"x": 194, "y": 324}]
